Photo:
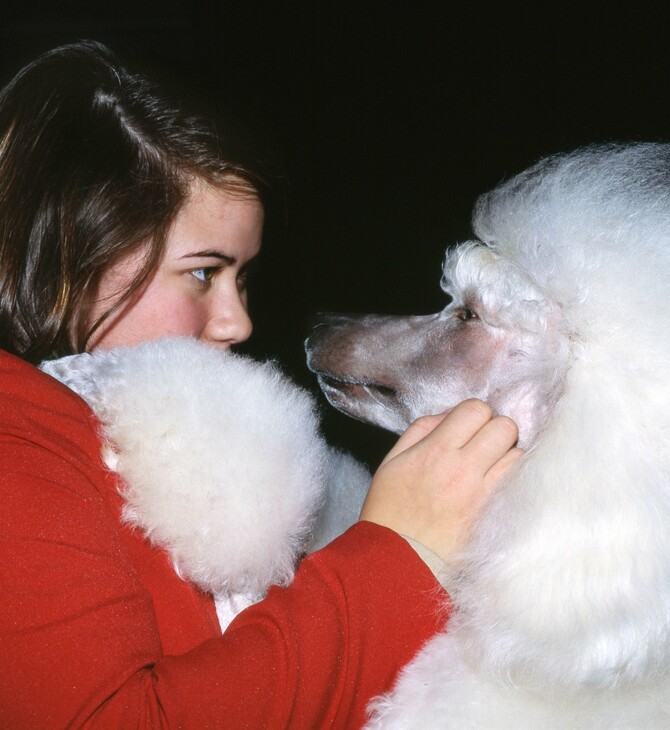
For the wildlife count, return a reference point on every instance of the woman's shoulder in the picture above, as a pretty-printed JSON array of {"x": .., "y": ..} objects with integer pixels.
[
  {"x": 26, "y": 384},
  {"x": 37, "y": 407}
]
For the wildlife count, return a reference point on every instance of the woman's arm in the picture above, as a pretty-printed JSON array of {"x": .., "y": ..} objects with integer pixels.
[{"x": 78, "y": 630}]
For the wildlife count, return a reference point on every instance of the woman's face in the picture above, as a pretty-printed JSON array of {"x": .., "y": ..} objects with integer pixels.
[{"x": 199, "y": 287}]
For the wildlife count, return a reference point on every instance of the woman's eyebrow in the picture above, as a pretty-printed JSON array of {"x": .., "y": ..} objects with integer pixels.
[{"x": 210, "y": 255}]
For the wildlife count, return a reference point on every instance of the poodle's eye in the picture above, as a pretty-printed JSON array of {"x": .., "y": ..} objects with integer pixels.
[{"x": 465, "y": 314}]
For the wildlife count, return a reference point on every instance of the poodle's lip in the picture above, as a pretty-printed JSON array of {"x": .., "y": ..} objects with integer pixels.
[{"x": 333, "y": 385}]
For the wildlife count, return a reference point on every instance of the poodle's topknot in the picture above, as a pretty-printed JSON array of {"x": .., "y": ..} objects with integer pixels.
[{"x": 581, "y": 222}]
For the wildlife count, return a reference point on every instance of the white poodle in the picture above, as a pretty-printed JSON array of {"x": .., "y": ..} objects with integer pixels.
[
  {"x": 221, "y": 460},
  {"x": 560, "y": 318}
]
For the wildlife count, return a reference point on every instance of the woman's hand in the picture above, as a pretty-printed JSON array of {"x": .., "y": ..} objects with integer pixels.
[{"x": 435, "y": 481}]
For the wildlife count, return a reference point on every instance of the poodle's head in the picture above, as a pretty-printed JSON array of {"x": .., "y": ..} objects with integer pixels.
[
  {"x": 498, "y": 338},
  {"x": 570, "y": 263}
]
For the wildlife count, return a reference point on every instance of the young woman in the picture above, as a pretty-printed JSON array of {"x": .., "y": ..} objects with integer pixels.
[{"x": 124, "y": 219}]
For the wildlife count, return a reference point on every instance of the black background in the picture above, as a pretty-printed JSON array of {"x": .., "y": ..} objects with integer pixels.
[{"x": 390, "y": 117}]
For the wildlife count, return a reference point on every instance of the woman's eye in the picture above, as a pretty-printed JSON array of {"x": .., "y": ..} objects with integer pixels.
[
  {"x": 465, "y": 314},
  {"x": 205, "y": 275}
]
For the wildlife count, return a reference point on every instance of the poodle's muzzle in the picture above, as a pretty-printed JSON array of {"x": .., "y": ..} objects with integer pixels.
[{"x": 364, "y": 364}]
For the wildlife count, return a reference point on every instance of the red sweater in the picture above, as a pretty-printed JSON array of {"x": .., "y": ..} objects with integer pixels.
[{"x": 96, "y": 629}]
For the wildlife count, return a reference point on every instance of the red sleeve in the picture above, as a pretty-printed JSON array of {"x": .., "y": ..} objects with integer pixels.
[
  {"x": 78, "y": 633},
  {"x": 313, "y": 655}
]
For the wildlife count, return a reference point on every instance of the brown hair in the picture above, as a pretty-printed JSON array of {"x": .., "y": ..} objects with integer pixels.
[{"x": 94, "y": 162}]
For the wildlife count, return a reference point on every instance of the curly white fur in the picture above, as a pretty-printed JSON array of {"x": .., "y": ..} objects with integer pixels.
[
  {"x": 221, "y": 458},
  {"x": 562, "y": 615}
]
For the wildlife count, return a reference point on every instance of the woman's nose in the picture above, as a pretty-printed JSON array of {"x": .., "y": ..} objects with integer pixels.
[{"x": 228, "y": 324}]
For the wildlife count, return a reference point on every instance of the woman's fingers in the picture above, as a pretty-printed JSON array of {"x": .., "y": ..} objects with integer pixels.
[
  {"x": 434, "y": 482},
  {"x": 455, "y": 427},
  {"x": 416, "y": 432},
  {"x": 493, "y": 440},
  {"x": 469, "y": 426},
  {"x": 464, "y": 421},
  {"x": 497, "y": 471}
]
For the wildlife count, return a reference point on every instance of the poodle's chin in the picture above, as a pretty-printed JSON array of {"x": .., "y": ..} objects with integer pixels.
[{"x": 369, "y": 402}]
